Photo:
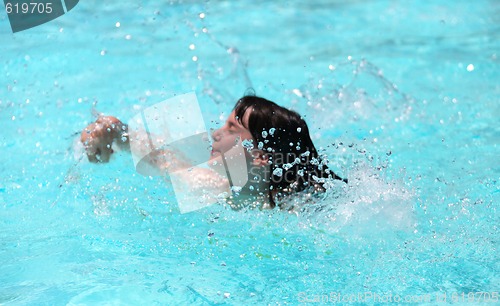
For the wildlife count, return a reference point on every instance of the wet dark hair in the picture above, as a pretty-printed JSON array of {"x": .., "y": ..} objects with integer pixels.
[{"x": 284, "y": 136}]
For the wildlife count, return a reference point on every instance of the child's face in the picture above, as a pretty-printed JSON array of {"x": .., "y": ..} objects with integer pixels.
[{"x": 230, "y": 134}]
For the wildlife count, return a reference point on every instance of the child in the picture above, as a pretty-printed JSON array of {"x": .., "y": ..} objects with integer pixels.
[{"x": 282, "y": 159}]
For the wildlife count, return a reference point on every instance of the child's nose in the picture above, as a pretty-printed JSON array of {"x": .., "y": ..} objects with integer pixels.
[{"x": 216, "y": 134}]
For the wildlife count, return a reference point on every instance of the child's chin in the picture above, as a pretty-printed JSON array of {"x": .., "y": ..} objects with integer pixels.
[{"x": 214, "y": 156}]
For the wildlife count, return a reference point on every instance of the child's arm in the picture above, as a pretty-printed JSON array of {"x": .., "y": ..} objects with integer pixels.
[
  {"x": 192, "y": 183},
  {"x": 98, "y": 139}
]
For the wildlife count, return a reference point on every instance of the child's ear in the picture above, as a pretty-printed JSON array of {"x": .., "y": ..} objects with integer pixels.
[{"x": 260, "y": 158}]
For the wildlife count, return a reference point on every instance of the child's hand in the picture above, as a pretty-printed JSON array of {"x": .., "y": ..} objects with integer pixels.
[{"x": 98, "y": 137}]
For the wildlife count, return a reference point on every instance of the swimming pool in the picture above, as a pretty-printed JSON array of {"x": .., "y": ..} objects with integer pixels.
[{"x": 403, "y": 98}]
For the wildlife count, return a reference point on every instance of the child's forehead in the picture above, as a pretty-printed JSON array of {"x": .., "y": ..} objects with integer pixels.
[{"x": 244, "y": 121}]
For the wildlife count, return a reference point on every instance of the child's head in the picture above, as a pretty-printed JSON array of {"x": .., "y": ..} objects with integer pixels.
[{"x": 281, "y": 143}]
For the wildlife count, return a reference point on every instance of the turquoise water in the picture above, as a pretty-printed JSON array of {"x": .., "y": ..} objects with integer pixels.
[{"x": 403, "y": 98}]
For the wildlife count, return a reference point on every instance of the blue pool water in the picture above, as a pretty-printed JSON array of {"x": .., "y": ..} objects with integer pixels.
[{"x": 402, "y": 97}]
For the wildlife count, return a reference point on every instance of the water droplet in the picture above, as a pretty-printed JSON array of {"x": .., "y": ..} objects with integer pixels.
[
  {"x": 470, "y": 67},
  {"x": 248, "y": 144},
  {"x": 117, "y": 24},
  {"x": 278, "y": 172},
  {"x": 297, "y": 93},
  {"x": 236, "y": 189}
]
